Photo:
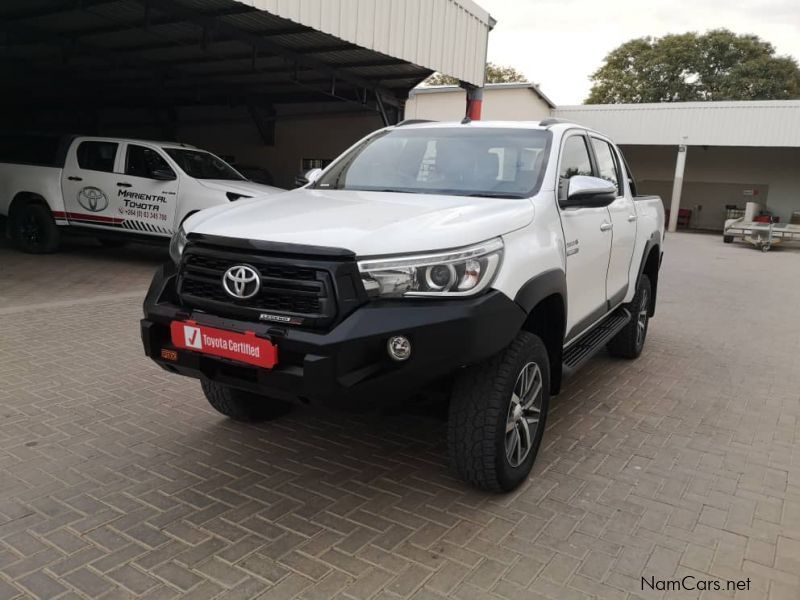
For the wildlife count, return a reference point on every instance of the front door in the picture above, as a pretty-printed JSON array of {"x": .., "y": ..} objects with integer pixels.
[
  {"x": 147, "y": 192},
  {"x": 623, "y": 221},
  {"x": 88, "y": 183},
  {"x": 587, "y": 233}
]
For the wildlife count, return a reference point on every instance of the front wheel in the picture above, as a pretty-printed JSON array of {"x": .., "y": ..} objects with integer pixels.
[
  {"x": 629, "y": 342},
  {"x": 497, "y": 415},
  {"x": 33, "y": 230},
  {"x": 243, "y": 406}
]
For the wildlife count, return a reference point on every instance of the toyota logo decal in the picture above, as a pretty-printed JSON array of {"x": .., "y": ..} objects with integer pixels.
[
  {"x": 92, "y": 199},
  {"x": 241, "y": 282}
]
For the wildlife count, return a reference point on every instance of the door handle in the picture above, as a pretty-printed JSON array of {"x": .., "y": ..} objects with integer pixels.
[
  {"x": 73, "y": 178},
  {"x": 631, "y": 218},
  {"x": 606, "y": 226},
  {"x": 120, "y": 184}
]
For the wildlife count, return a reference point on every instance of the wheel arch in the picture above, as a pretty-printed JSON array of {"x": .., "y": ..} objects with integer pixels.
[
  {"x": 544, "y": 299},
  {"x": 23, "y": 198},
  {"x": 650, "y": 266}
]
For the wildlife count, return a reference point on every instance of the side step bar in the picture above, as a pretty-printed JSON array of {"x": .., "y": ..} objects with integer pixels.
[{"x": 591, "y": 342}]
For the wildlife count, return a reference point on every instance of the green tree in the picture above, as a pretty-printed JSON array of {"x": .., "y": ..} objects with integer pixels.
[
  {"x": 716, "y": 65},
  {"x": 494, "y": 74}
]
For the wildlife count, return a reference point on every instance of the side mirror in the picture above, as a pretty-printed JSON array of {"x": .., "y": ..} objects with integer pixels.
[
  {"x": 162, "y": 175},
  {"x": 308, "y": 177},
  {"x": 586, "y": 191}
]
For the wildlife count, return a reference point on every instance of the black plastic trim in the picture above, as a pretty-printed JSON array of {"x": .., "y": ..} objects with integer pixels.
[
  {"x": 653, "y": 242},
  {"x": 280, "y": 248},
  {"x": 536, "y": 289},
  {"x": 350, "y": 361},
  {"x": 586, "y": 322}
]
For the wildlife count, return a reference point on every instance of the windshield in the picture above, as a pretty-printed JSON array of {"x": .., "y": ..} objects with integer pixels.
[
  {"x": 202, "y": 165},
  {"x": 458, "y": 161}
]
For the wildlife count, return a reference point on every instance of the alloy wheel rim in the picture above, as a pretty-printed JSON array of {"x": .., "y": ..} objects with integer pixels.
[
  {"x": 524, "y": 413},
  {"x": 29, "y": 228},
  {"x": 641, "y": 318}
]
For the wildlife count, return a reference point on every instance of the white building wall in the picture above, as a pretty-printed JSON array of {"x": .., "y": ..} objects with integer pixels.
[
  {"x": 515, "y": 104},
  {"x": 449, "y": 36}
]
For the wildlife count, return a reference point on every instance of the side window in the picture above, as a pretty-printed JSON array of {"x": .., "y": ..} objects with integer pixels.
[
  {"x": 574, "y": 161},
  {"x": 143, "y": 162},
  {"x": 631, "y": 178},
  {"x": 97, "y": 156},
  {"x": 607, "y": 162}
]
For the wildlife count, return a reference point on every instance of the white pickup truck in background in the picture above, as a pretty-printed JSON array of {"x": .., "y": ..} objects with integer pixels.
[
  {"x": 115, "y": 189},
  {"x": 488, "y": 258}
]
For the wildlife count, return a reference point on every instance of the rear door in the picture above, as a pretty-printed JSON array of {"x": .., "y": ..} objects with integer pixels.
[
  {"x": 88, "y": 183},
  {"x": 587, "y": 235},
  {"x": 147, "y": 191},
  {"x": 623, "y": 221}
]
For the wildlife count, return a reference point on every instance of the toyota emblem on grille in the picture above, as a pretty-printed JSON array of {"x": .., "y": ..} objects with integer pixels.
[{"x": 241, "y": 282}]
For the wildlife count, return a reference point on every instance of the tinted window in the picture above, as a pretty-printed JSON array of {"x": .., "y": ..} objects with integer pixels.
[
  {"x": 97, "y": 156},
  {"x": 202, "y": 165},
  {"x": 459, "y": 161},
  {"x": 606, "y": 162},
  {"x": 142, "y": 162},
  {"x": 574, "y": 161}
]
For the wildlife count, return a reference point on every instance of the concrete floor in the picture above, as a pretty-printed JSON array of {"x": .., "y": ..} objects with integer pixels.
[{"x": 117, "y": 480}]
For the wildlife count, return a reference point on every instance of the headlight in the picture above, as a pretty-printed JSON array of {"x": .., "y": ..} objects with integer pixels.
[
  {"x": 460, "y": 272},
  {"x": 177, "y": 244}
]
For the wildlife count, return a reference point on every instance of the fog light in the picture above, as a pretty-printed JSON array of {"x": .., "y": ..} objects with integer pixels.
[{"x": 399, "y": 347}]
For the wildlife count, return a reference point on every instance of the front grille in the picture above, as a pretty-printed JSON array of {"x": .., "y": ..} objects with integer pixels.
[
  {"x": 300, "y": 289},
  {"x": 282, "y": 302}
]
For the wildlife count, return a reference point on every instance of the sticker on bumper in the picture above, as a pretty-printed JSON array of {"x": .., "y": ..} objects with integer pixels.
[{"x": 242, "y": 347}]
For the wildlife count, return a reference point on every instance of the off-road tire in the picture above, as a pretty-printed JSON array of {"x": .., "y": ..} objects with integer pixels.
[
  {"x": 243, "y": 406},
  {"x": 626, "y": 344},
  {"x": 727, "y": 239},
  {"x": 32, "y": 229},
  {"x": 478, "y": 411}
]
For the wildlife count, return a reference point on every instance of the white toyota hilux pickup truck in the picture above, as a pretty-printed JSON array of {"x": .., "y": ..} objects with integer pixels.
[
  {"x": 489, "y": 259},
  {"x": 111, "y": 188}
]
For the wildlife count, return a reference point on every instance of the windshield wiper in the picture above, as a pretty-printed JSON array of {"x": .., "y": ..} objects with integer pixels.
[
  {"x": 493, "y": 195},
  {"x": 391, "y": 190}
]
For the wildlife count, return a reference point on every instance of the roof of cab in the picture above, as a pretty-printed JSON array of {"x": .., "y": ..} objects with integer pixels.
[
  {"x": 162, "y": 144},
  {"x": 560, "y": 125}
]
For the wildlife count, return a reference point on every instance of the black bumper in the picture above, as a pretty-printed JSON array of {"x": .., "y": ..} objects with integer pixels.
[{"x": 349, "y": 361}]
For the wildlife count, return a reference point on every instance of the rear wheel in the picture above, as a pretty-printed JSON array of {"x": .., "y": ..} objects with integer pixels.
[
  {"x": 728, "y": 239},
  {"x": 32, "y": 229},
  {"x": 497, "y": 415},
  {"x": 629, "y": 342},
  {"x": 243, "y": 406}
]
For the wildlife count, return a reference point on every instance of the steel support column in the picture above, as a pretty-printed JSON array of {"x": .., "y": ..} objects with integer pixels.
[{"x": 677, "y": 188}]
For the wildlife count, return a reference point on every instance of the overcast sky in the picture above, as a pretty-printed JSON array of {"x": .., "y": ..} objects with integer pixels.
[{"x": 559, "y": 43}]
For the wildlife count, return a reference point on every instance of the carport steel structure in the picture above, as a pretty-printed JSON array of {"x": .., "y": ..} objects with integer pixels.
[{"x": 87, "y": 55}]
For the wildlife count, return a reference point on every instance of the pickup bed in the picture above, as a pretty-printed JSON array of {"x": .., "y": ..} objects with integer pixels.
[
  {"x": 112, "y": 188},
  {"x": 489, "y": 258}
]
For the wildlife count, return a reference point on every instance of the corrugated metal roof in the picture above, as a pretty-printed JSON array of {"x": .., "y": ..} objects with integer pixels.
[
  {"x": 747, "y": 123},
  {"x": 172, "y": 52},
  {"x": 449, "y": 36}
]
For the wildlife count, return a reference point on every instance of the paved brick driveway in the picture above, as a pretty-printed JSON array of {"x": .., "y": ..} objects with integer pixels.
[{"x": 116, "y": 480}]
